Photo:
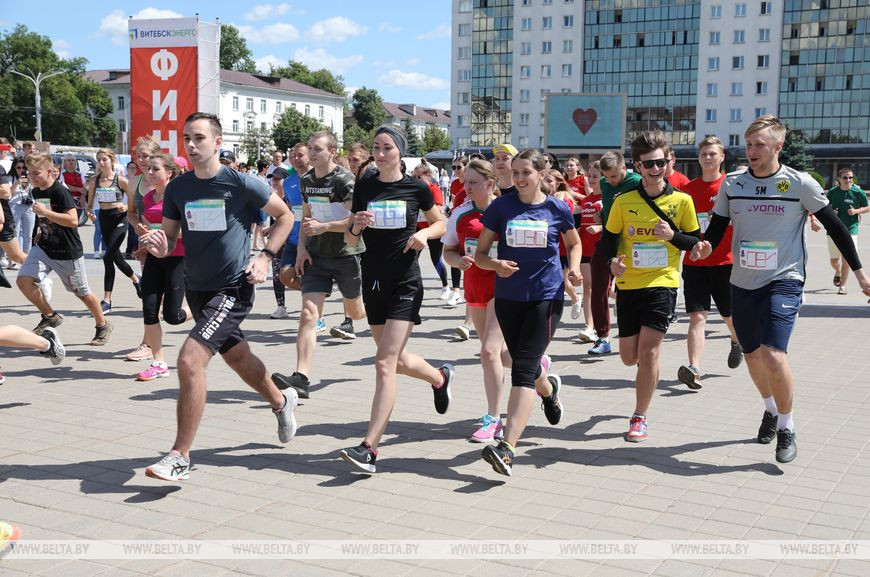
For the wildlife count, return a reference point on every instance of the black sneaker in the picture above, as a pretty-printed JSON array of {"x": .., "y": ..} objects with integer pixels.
[
  {"x": 56, "y": 351},
  {"x": 362, "y": 457},
  {"x": 735, "y": 357},
  {"x": 53, "y": 321},
  {"x": 138, "y": 286},
  {"x": 552, "y": 405},
  {"x": 767, "y": 430},
  {"x": 344, "y": 330},
  {"x": 500, "y": 457},
  {"x": 786, "y": 447},
  {"x": 442, "y": 394},
  {"x": 298, "y": 381}
]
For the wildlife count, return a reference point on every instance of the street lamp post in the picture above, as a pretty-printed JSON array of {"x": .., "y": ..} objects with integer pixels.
[{"x": 37, "y": 80}]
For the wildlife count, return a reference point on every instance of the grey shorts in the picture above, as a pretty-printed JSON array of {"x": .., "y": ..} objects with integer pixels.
[
  {"x": 71, "y": 272},
  {"x": 343, "y": 270}
]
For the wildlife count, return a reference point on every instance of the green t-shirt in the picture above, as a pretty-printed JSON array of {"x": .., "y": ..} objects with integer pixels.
[
  {"x": 842, "y": 200},
  {"x": 608, "y": 193}
]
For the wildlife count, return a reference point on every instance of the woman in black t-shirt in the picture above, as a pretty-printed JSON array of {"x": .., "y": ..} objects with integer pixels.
[{"x": 385, "y": 205}]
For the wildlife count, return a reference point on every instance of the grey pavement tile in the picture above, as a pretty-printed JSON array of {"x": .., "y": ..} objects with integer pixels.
[
  {"x": 824, "y": 567},
  {"x": 680, "y": 568},
  {"x": 856, "y": 567}
]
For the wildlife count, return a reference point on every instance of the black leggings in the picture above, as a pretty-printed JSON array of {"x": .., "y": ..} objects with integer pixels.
[
  {"x": 113, "y": 225},
  {"x": 527, "y": 328},
  {"x": 455, "y": 277},
  {"x": 277, "y": 285},
  {"x": 435, "y": 249},
  {"x": 163, "y": 278}
]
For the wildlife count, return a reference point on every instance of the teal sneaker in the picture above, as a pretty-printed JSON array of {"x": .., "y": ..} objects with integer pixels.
[{"x": 601, "y": 347}]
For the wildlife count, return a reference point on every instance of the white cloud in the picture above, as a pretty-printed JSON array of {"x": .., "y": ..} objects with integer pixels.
[
  {"x": 264, "y": 61},
  {"x": 413, "y": 80},
  {"x": 387, "y": 27},
  {"x": 61, "y": 47},
  {"x": 114, "y": 24},
  {"x": 278, "y": 33},
  {"x": 263, "y": 11},
  {"x": 319, "y": 58},
  {"x": 336, "y": 29},
  {"x": 444, "y": 105},
  {"x": 442, "y": 31}
]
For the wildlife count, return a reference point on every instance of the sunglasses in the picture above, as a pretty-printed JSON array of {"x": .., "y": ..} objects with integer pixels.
[
  {"x": 657, "y": 162},
  {"x": 457, "y": 167},
  {"x": 848, "y": 177}
]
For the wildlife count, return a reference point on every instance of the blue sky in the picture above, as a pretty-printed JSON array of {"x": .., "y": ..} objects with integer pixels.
[{"x": 402, "y": 49}]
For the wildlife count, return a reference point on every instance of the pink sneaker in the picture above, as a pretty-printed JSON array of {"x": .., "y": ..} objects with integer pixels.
[
  {"x": 154, "y": 371},
  {"x": 490, "y": 429},
  {"x": 636, "y": 429}
]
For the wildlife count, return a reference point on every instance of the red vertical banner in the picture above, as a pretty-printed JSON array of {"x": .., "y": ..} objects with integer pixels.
[{"x": 163, "y": 80}]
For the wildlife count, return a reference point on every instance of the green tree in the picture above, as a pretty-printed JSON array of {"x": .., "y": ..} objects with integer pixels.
[
  {"x": 794, "y": 151},
  {"x": 414, "y": 145},
  {"x": 294, "y": 127},
  {"x": 74, "y": 109},
  {"x": 322, "y": 79},
  {"x": 434, "y": 139},
  {"x": 353, "y": 133},
  {"x": 368, "y": 108},
  {"x": 235, "y": 54},
  {"x": 256, "y": 145}
]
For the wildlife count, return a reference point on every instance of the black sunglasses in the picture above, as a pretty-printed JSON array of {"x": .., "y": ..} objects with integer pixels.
[
  {"x": 658, "y": 162},
  {"x": 457, "y": 167},
  {"x": 848, "y": 177}
]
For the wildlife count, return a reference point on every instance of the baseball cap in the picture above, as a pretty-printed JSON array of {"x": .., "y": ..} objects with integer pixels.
[
  {"x": 505, "y": 148},
  {"x": 280, "y": 173},
  {"x": 228, "y": 155},
  {"x": 182, "y": 162}
]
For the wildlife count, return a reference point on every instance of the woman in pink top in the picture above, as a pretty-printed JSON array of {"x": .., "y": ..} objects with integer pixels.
[{"x": 162, "y": 278}]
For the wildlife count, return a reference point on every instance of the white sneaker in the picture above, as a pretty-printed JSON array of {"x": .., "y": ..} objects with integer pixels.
[
  {"x": 170, "y": 468},
  {"x": 286, "y": 418},
  {"x": 463, "y": 332},
  {"x": 455, "y": 299},
  {"x": 45, "y": 286},
  {"x": 587, "y": 335},
  {"x": 576, "y": 310},
  {"x": 280, "y": 313},
  {"x": 4, "y": 262},
  {"x": 445, "y": 293},
  {"x": 97, "y": 255}
]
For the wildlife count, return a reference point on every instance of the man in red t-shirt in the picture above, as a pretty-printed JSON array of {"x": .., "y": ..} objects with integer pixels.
[
  {"x": 710, "y": 277},
  {"x": 675, "y": 178}
]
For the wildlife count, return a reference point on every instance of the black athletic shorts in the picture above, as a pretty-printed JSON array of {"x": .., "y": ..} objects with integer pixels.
[
  {"x": 219, "y": 314},
  {"x": 646, "y": 307},
  {"x": 700, "y": 283},
  {"x": 7, "y": 233},
  {"x": 397, "y": 299}
]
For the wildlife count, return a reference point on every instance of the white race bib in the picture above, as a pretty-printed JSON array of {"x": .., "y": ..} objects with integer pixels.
[
  {"x": 758, "y": 255},
  {"x": 155, "y": 225},
  {"x": 106, "y": 195},
  {"x": 649, "y": 255},
  {"x": 421, "y": 216},
  {"x": 703, "y": 220},
  {"x": 297, "y": 212},
  {"x": 324, "y": 211},
  {"x": 471, "y": 247},
  {"x": 526, "y": 233},
  {"x": 389, "y": 213},
  {"x": 206, "y": 215}
]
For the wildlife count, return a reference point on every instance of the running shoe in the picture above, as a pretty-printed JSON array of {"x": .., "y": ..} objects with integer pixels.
[
  {"x": 170, "y": 468},
  {"x": 586, "y": 335},
  {"x": 735, "y": 356},
  {"x": 786, "y": 447},
  {"x": 454, "y": 299},
  {"x": 601, "y": 347},
  {"x": 362, "y": 457},
  {"x": 13, "y": 265},
  {"x": 636, "y": 429},
  {"x": 767, "y": 430},
  {"x": 53, "y": 321},
  {"x": 97, "y": 255},
  {"x": 552, "y": 405},
  {"x": 297, "y": 381},
  {"x": 320, "y": 326},
  {"x": 344, "y": 330},
  {"x": 101, "y": 336},
  {"x": 442, "y": 394},
  {"x": 106, "y": 306},
  {"x": 138, "y": 286},
  {"x": 56, "y": 351},
  {"x": 155, "y": 370},
  {"x": 490, "y": 429},
  {"x": 2, "y": 378},
  {"x": 576, "y": 310},
  {"x": 140, "y": 353},
  {"x": 9, "y": 536},
  {"x": 836, "y": 280},
  {"x": 45, "y": 286},
  {"x": 842, "y": 291},
  {"x": 463, "y": 332},
  {"x": 280, "y": 313},
  {"x": 4, "y": 262},
  {"x": 286, "y": 417},
  {"x": 445, "y": 293},
  {"x": 500, "y": 456},
  {"x": 690, "y": 376}
]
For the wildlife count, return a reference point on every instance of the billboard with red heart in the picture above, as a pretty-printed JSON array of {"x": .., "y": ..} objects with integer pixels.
[{"x": 588, "y": 123}]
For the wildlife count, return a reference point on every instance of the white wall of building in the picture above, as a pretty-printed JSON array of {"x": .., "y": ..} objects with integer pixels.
[{"x": 460, "y": 80}]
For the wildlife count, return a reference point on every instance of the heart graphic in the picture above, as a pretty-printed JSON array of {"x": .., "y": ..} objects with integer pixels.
[{"x": 584, "y": 118}]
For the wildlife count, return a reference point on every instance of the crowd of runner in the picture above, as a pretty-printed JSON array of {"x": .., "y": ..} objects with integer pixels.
[{"x": 518, "y": 236}]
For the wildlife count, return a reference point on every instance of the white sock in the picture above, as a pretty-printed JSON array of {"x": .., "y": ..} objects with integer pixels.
[
  {"x": 785, "y": 422},
  {"x": 770, "y": 405}
]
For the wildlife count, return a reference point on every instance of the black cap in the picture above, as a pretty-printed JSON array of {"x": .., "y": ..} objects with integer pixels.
[
  {"x": 280, "y": 173},
  {"x": 228, "y": 155}
]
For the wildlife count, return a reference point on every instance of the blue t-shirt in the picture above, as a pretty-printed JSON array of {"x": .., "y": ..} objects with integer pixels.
[
  {"x": 293, "y": 198},
  {"x": 529, "y": 235},
  {"x": 216, "y": 215}
]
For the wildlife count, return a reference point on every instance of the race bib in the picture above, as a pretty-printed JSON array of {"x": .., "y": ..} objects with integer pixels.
[
  {"x": 649, "y": 255},
  {"x": 758, "y": 255},
  {"x": 389, "y": 213},
  {"x": 471, "y": 248},
  {"x": 324, "y": 211},
  {"x": 421, "y": 216},
  {"x": 155, "y": 226},
  {"x": 46, "y": 202},
  {"x": 206, "y": 215},
  {"x": 526, "y": 233},
  {"x": 297, "y": 212},
  {"x": 703, "y": 220},
  {"x": 106, "y": 195}
]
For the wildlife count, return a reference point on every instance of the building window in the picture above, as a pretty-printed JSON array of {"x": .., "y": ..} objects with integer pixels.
[
  {"x": 763, "y": 61},
  {"x": 820, "y": 82},
  {"x": 547, "y": 2},
  {"x": 249, "y": 104},
  {"x": 279, "y": 107},
  {"x": 249, "y": 125},
  {"x": 464, "y": 6},
  {"x": 461, "y": 120},
  {"x": 527, "y": 2},
  {"x": 568, "y": 21},
  {"x": 464, "y": 52},
  {"x": 641, "y": 40},
  {"x": 737, "y": 63},
  {"x": 526, "y": 24},
  {"x": 320, "y": 112},
  {"x": 262, "y": 127},
  {"x": 714, "y": 38},
  {"x": 711, "y": 115},
  {"x": 546, "y": 70},
  {"x": 617, "y": 16},
  {"x": 122, "y": 125},
  {"x": 761, "y": 87},
  {"x": 121, "y": 103},
  {"x": 712, "y": 89},
  {"x": 764, "y": 34},
  {"x": 733, "y": 140},
  {"x": 736, "y": 115},
  {"x": 740, "y": 10},
  {"x": 525, "y": 71},
  {"x": 524, "y": 141},
  {"x": 716, "y": 11},
  {"x": 544, "y": 93},
  {"x": 766, "y": 8},
  {"x": 526, "y": 48},
  {"x": 546, "y": 47},
  {"x": 524, "y": 118},
  {"x": 567, "y": 70},
  {"x": 739, "y": 36},
  {"x": 542, "y": 119},
  {"x": 236, "y": 149},
  {"x": 713, "y": 63},
  {"x": 263, "y": 105},
  {"x": 547, "y": 22},
  {"x": 462, "y": 98},
  {"x": 235, "y": 103},
  {"x": 235, "y": 125},
  {"x": 567, "y": 46},
  {"x": 792, "y": 84},
  {"x": 465, "y": 30},
  {"x": 463, "y": 75},
  {"x": 307, "y": 110},
  {"x": 759, "y": 112},
  {"x": 293, "y": 105},
  {"x": 524, "y": 95},
  {"x": 617, "y": 41},
  {"x": 736, "y": 89}
]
